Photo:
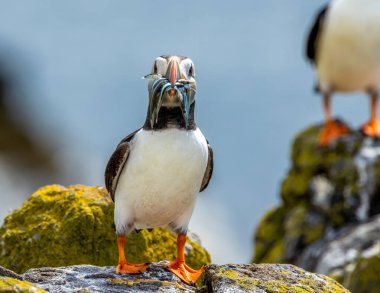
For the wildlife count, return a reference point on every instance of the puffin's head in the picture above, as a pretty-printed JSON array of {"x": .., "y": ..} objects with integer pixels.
[{"x": 171, "y": 84}]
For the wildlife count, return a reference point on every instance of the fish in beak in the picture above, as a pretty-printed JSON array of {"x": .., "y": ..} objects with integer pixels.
[{"x": 171, "y": 90}]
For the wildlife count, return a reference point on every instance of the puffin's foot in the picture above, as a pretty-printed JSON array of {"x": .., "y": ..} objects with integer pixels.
[
  {"x": 184, "y": 272},
  {"x": 128, "y": 268},
  {"x": 331, "y": 131},
  {"x": 372, "y": 128}
]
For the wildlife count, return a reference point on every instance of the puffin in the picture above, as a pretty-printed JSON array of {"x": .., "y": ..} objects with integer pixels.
[
  {"x": 344, "y": 45},
  {"x": 156, "y": 173}
]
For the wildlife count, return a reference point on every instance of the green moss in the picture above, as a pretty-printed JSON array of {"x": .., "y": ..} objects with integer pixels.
[
  {"x": 9, "y": 285},
  {"x": 268, "y": 247},
  {"x": 60, "y": 226},
  {"x": 366, "y": 276}
]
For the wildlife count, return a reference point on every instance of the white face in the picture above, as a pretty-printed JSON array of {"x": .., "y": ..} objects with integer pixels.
[{"x": 186, "y": 67}]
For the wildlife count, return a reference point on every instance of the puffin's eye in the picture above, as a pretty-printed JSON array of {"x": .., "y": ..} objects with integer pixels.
[
  {"x": 155, "y": 68},
  {"x": 191, "y": 71}
]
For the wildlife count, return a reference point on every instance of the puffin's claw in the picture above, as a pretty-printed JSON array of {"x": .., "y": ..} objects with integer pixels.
[
  {"x": 184, "y": 272},
  {"x": 372, "y": 128},
  {"x": 331, "y": 131},
  {"x": 128, "y": 268}
]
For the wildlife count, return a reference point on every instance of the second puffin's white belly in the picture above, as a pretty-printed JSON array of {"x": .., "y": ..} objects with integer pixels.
[
  {"x": 349, "y": 50},
  {"x": 161, "y": 178}
]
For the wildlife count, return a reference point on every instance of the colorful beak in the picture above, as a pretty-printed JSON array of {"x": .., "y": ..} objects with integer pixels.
[{"x": 173, "y": 73}]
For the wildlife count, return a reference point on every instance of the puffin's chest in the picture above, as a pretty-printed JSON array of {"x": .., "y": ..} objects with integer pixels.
[
  {"x": 162, "y": 176},
  {"x": 165, "y": 163}
]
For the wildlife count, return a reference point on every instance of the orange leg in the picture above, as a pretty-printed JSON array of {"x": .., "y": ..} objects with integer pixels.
[
  {"x": 124, "y": 267},
  {"x": 332, "y": 129},
  {"x": 180, "y": 268},
  {"x": 372, "y": 127}
]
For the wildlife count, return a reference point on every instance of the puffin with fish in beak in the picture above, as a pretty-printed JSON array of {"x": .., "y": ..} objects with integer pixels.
[{"x": 156, "y": 173}]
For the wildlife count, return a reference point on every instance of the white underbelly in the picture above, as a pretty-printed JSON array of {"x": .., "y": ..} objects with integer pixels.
[
  {"x": 162, "y": 177},
  {"x": 349, "y": 51}
]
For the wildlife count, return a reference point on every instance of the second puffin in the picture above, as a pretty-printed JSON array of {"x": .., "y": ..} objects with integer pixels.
[{"x": 156, "y": 173}]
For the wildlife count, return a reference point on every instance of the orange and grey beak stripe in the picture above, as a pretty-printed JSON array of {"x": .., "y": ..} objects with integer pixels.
[{"x": 173, "y": 73}]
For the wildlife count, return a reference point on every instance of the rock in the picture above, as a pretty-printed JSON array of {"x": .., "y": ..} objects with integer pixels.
[
  {"x": 60, "y": 226},
  {"x": 329, "y": 218},
  {"x": 225, "y": 278},
  {"x": 87, "y": 278},
  {"x": 10, "y": 285},
  {"x": 267, "y": 278}
]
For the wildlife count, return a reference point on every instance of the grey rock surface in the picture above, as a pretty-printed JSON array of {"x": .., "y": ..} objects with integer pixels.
[
  {"x": 261, "y": 278},
  {"x": 87, "y": 278}
]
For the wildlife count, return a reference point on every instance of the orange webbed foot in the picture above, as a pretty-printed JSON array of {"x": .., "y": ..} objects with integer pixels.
[
  {"x": 372, "y": 128},
  {"x": 331, "y": 131},
  {"x": 128, "y": 268},
  {"x": 184, "y": 272}
]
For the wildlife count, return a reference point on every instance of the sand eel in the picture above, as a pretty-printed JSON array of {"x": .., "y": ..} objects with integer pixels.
[
  {"x": 156, "y": 173},
  {"x": 344, "y": 44}
]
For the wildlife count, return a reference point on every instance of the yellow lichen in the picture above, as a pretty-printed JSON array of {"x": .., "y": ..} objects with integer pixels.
[{"x": 10, "y": 285}]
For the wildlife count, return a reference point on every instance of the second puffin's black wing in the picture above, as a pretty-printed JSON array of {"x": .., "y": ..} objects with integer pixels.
[
  {"x": 210, "y": 167},
  {"x": 315, "y": 33},
  {"x": 116, "y": 164}
]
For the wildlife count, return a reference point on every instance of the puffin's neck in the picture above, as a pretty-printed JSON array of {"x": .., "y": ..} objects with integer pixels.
[{"x": 171, "y": 118}]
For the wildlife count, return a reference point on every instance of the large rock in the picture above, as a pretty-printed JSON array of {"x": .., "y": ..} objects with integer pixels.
[
  {"x": 60, "y": 226},
  {"x": 329, "y": 218},
  {"x": 225, "y": 278}
]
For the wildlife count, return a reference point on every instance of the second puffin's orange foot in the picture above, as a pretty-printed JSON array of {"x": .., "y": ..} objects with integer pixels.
[
  {"x": 184, "y": 272},
  {"x": 372, "y": 128},
  {"x": 127, "y": 268},
  {"x": 331, "y": 131}
]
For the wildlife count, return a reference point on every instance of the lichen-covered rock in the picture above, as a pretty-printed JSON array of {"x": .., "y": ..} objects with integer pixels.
[
  {"x": 60, "y": 226},
  {"x": 86, "y": 278},
  {"x": 328, "y": 219},
  {"x": 10, "y": 285},
  {"x": 267, "y": 278},
  {"x": 225, "y": 278}
]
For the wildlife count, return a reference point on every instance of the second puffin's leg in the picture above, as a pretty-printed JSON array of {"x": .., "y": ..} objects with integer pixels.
[
  {"x": 180, "y": 268},
  {"x": 332, "y": 129},
  {"x": 123, "y": 266},
  {"x": 372, "y": 127}
]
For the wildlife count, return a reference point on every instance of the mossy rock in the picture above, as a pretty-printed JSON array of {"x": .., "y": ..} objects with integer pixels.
[
  {"x": 268, "y": 278},
  {"x": 365, "y": 278},
  {"x": 309, "y": 159},
  {"x": 269, "y": 237},
  {"x": 10, "y": 285},
  {"x": 59, "y": 226}
]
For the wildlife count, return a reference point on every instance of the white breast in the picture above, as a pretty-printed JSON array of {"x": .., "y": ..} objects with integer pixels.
[
  {"x": 161, "y": 179},
  {"x": 349, "y": 51}
]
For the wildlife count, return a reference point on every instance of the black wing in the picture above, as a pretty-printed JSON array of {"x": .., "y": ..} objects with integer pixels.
[
  {"x": 116, "y": 164},
  {"x": 315, "y": 33},
  {"x": 209, "y": 168}
]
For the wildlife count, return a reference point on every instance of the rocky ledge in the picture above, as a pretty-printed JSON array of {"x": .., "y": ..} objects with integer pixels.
[
  {"x": 226, "y": 278},
  {"x": 329, "y": 218}
]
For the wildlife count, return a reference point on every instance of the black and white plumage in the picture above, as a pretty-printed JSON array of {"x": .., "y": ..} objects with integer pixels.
[
  {"x": 155, "y": 173},
  {"x": 344, "y": 45}
]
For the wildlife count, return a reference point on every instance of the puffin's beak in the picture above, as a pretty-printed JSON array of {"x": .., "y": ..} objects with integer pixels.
[{"x": 173, "y": 73}]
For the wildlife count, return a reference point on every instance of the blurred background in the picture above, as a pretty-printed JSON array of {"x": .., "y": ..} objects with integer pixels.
[{"x": 71, "y": 89}]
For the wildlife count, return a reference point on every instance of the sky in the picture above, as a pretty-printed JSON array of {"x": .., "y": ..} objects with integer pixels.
[{"x": 81, "y": 63}]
